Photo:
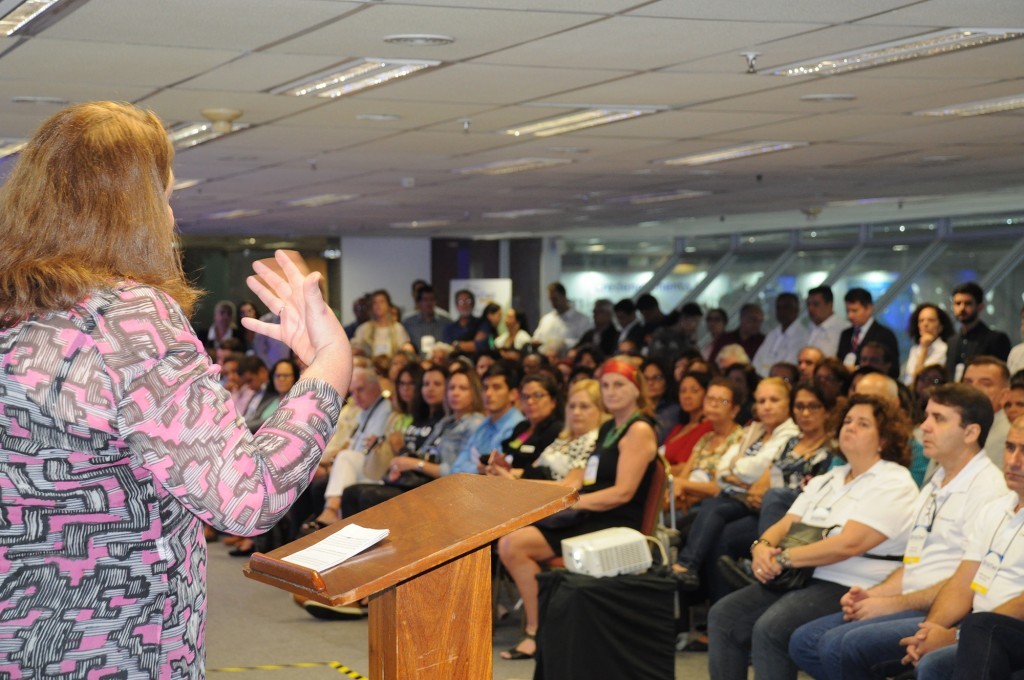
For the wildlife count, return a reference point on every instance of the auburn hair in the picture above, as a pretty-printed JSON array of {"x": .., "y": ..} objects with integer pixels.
[{"x": 84, "y": 208}]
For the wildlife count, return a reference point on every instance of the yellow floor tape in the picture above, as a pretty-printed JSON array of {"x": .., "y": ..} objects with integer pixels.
[{"x": 340, "y": 667}]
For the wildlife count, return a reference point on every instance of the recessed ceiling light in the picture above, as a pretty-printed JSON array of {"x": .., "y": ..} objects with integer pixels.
[
  {"x": 233, "y": 214},
  {"x": 55, "y": 101},
  {"x": 512, "y": 165},
  {"x": 420, "y": 224},
  {"x": 734, "y": 152},
  {"x": 419, "y": 39},
  {"x": 353, "y": 76},
  {"x": 927, "y": 45},
  {"x": 586, "y": 118},
  {"x": 978, "y": 108},
  {"x": 319, "y": 200},
  {"x": 381, "y": 117},
  {"x": 516, "y": 214},
  {"x": 828, "y": 98}
]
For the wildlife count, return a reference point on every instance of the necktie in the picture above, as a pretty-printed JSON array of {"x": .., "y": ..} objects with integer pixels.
[{"x": 856, "y": 338}]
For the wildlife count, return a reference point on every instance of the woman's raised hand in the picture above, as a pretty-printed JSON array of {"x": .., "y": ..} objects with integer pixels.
[{"x": 306, "y": 324}]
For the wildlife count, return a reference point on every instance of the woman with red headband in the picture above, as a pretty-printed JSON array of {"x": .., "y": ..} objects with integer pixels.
[{"x": 615, "y": 485}]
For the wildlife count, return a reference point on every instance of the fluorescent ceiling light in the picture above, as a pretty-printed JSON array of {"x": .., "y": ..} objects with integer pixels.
[
  {"x": 512, "y": 165},
  {"x": 927, "y": 45},
  {"x": 352, "y": 77},
  {"x": 978, "y": 108},
  {"x": 233, "y": 214},
  {"x": 586, "y": 118},
  {"x": 420, "y": 224},
  {"x": 187, "y": 135},
  {"x": 516, "y": 214},
  {"x": 180, "y": 184},
  {"x": 734, "y": 152},
  {"x": 22, "y": 14},
  {"x": 660, "y": 197},
  {"x": 319, "y": 200},
  {"x": 9, "y": 147}
]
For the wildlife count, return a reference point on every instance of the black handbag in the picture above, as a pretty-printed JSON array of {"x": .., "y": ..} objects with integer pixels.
[{"x": 794, "y": 578}]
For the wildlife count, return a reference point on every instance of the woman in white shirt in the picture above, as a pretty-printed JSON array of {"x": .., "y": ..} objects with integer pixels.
[
  {"x": 929, "y": 328},
  {"x": 868, "y": 503}
]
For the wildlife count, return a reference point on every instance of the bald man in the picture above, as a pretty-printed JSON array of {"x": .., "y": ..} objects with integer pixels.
[{"x": 886, "y": 388}]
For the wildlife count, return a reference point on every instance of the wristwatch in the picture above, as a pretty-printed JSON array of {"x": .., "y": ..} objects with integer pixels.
[
  {"x": 419, "y": 465},
  {"x": 783, "y": 559},
  {"x": 760, "y": 540}
]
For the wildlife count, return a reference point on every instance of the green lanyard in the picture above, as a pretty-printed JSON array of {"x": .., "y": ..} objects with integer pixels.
[{"x": 616, "y": 432}]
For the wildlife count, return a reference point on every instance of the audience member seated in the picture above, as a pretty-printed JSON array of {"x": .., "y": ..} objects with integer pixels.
[
  {"x": 283, "y": 375},
  {"x": 541, "y": 404},
  {"x": 1013, "y": 403},
  {"x": 427, "y": 321},
  {"x": 500, "y": 395},
  {"x": 222, "y": 326},
  {"x": 692, "y": 426},
  {"x": 833, "y": 377},
  {"x": 864, "y": 508},
  {"x": 929, "y": 328},
  {"x": 487, "y": 331},
  {"x": 715, "y": 322},
  {"x": 927, "y": 379},
  {"x": 807, "y": 362},
  {"x": 615, "y": 488},
  {"x": 438, "y": 450},
  {"x": 696, "y": 481},
  {"x": 790, "y": 373},
  {"x": 864, "y": 638},
  {"x": 247, "y": 338},
  {"x": 382, "y": 334},
  {"x": 745, "y": 379},
  {"x": 515, "y": 335},
  {"x": 739, "y": 470},
  {"x": 661, "y": 390},
  {"x": 564, "y": 459},
  {"x": 1015, "y": 359},
  {"x": 991, "y": 376},
  {"x": 461, "y": 332},
  {"x": 747, "y": 335}
]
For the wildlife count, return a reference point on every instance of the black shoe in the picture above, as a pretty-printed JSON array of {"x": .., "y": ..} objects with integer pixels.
[
  {"x": 687, "y": 581},
  {"x": 737, "y": 573}
]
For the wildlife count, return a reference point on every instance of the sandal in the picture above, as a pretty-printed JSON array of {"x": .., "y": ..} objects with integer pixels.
[
  {"x": 516, "y": 654},
  {"x": 311, "y": 526}
]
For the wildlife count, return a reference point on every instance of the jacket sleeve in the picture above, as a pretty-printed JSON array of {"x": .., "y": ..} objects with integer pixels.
[{"x": 181, "y": 426}]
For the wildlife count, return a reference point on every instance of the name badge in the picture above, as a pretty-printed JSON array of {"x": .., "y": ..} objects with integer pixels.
[
  {"x": 915, "y": 545},
  {"x": 818, "y": 516},
  {"x": 528, "y": 448},
  {"x": 850, "y": 359},
  {"x": 986, "y": 572},
  {"x": 590, "y": 472}
]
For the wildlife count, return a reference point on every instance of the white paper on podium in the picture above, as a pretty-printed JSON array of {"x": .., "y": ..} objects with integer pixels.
[{"x": 337, "y": 547}]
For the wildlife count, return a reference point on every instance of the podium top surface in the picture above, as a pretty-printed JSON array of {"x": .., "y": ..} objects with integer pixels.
[{"x": 431, "y": 525}]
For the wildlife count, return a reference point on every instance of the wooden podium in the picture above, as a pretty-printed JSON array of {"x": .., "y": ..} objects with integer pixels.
[{"x": 429, "y": 582}]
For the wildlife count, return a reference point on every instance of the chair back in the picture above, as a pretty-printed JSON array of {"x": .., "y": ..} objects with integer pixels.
[{"x": 655, "y": 496}]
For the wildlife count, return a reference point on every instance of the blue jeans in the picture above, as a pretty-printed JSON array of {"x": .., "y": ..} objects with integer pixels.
[
  {"x": 754, "y": 625},
  {"x": 990, "y": 647},
  {"x": 715, "y": 513},
  {"x": 939, "y": 664},
  {"x": 830, "y": 648},
  {"x": 774, "y": 507}
]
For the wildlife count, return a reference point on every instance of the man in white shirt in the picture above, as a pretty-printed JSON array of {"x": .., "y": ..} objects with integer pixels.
[
  {"x": 783, "y": 342},
  {"x": 991, "y": 376},
  {"x": 990, "y": 577},
  {"x": 863, "y": 640},
  {"x": 563, "y": 326},
  {"x": 826, "y": 326}
]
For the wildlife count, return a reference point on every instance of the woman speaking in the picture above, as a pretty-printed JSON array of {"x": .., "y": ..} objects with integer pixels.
[{"x": 117, "y": 440}]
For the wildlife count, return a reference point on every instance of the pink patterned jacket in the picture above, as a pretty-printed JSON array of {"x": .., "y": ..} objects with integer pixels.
[{"x": 116, "y": 441}]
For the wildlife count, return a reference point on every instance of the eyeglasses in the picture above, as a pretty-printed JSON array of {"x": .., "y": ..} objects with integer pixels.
[
  {"x": 809, "y": 406},
  {"x": 717, "y": 400},
  {"x": 655, "y": 378},
  {"x": 406, "y": 383},
  {"x": 535, "y": 396}
]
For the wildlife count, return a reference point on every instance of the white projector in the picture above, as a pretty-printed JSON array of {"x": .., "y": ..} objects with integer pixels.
[{"x": 608, "y": 552}]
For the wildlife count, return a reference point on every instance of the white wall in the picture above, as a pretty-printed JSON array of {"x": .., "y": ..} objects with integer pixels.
[{"x": 390, "y": 263}]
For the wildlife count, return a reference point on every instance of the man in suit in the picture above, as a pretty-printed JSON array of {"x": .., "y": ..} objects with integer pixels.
[
  {"x": 863, "y": 329},
  {"x": 975, "y": 337}
]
